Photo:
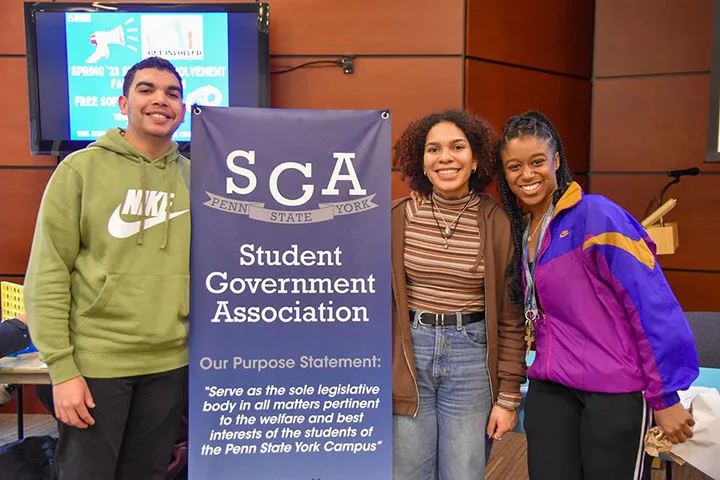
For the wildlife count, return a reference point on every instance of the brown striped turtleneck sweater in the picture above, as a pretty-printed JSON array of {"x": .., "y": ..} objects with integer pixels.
[
  {"x": 439, "y": 279},
  {"x": 452, "y": 279}
]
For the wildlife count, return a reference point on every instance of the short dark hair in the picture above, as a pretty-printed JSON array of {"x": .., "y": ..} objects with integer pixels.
[
  {"x": 157, "y": 63},
  {"x": 409, "y": 151}
]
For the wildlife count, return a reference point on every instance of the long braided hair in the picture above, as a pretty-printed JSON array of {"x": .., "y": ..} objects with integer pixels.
[{"x": 533, "y": 124}]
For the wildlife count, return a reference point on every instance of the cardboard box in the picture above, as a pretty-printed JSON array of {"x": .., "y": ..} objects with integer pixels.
[{"x": 665, "y": 237}]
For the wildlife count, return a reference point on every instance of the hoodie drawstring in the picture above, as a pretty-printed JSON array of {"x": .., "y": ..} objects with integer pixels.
[
  {"x": 166, "y": 228},
  {"x": 143, "y": 184},
  {"x": 114, "y": 141}
]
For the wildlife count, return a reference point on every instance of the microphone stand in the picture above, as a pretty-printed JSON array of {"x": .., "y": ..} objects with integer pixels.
[
  {"x": 676, "y": 177},
  {"x": 662, "y": 192},
  {"x": 672, "y": 182}
]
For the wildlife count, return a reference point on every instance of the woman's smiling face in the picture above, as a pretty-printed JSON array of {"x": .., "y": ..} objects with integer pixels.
[
  {"x": 448, "y": 160},
  {"x": 530, "y": 165}
]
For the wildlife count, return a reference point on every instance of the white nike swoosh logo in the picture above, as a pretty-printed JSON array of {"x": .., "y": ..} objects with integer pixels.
[{"x": 119, "y": 228}]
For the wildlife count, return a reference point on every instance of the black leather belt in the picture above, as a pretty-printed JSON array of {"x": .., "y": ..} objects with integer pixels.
[{"x": 446, "y": 319}]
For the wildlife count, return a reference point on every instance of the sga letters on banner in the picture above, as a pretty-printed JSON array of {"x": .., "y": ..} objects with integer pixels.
[{"x": 290, "y": 354}]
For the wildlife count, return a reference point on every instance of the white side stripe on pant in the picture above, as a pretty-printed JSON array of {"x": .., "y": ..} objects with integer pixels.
[{"x": 644, "y": 427}]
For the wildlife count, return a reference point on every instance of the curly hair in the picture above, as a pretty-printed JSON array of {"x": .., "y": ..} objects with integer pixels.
[
  {"x": 533, "y": 124},
  {"x": 409, "y": 151}
]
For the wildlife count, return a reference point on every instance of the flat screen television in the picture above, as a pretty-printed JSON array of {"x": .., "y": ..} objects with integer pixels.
[
  {"x": 78, "y": 54},
  {"x": 713, "y": 133}
]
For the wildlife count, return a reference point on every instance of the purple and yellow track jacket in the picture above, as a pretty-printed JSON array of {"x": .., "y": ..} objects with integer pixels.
[{"x": 611, "y": 323}]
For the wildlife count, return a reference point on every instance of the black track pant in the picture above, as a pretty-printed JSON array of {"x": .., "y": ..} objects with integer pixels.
[{"x": 577, "y": 435}]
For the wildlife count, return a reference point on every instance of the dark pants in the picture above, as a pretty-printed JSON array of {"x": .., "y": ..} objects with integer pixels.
[
  {"x": 136, "y": 424},
  {"x": 577, "y": 435}
]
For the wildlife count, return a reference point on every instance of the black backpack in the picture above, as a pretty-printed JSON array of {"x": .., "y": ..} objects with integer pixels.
[{"x": 31, "y": 458}]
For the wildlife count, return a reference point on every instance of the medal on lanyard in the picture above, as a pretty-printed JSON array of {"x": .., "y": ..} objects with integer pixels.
[{"x": 532, "y": 312}]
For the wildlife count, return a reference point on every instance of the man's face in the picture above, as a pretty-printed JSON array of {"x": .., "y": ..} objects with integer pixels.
[{"x": 154, "y": 105}]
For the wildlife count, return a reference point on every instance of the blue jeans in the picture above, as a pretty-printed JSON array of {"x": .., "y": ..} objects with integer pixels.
[{"x": 446, "y": 439}]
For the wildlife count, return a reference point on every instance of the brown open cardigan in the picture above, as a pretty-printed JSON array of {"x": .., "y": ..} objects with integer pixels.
[{"x": 504, "y": 322}]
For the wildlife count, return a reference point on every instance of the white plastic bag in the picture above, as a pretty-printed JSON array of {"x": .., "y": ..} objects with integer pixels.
[{"x": 702, "y": 451}]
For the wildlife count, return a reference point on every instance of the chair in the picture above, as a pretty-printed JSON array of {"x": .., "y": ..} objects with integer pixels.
[{"x": 706, "y": 329}]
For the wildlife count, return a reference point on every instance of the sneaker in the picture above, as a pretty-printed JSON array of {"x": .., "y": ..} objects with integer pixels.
[{"x": 6, "y": 392}]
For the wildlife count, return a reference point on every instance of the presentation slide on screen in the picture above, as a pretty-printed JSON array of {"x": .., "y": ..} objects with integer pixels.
[{"x": 101, "y": 48}]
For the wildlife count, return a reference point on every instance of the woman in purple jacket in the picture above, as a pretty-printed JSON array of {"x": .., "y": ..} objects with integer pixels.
[{"x": 612, "y": 343}]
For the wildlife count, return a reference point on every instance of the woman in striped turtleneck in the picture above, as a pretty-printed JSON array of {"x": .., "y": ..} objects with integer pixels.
[{"x": 458, "y": 348}]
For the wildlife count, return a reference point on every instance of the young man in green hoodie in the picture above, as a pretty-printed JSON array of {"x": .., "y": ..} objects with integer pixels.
[{"x": 106, "y": 290}]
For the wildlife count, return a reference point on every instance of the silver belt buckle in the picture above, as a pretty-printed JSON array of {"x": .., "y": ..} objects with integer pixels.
[{"x": 420, "y": 318}]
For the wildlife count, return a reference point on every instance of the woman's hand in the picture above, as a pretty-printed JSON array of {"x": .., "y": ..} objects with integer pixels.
[
  {"x": 501, "y": 421},
  {"x": 675, "y": 422}
]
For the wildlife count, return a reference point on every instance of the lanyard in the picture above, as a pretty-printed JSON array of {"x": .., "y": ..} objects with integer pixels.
[{"x": 530, "y": 302}]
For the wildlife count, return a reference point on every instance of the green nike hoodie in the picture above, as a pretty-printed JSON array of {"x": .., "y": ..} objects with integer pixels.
[{"x": 107, "y": 286}]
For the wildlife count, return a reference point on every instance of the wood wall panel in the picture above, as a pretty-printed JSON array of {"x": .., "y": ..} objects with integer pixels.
[
  {"x": 410, "y": 87},
  {"x": 582, "y": 180},
  {"x": 323, "y": 27},
  {"x": 498, "y": 92},
  {"x": 14, "y": 117},
  {"x": 372, "y": 27},
  {"x": 652, "y": 36},
  {"x": 20, "y": 194},
  {"x": 696, "y": 213},
  {"x": 652, "y": 124},
  {"x": 555, "y": 35},
  {"x": 654, "y": 119},
  {"x": 12, "y": 33},
  {"x": 696, "y": 292}
]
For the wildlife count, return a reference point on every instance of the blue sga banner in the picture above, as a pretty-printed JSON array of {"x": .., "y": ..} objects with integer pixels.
[{"x": 290, "y": 355}]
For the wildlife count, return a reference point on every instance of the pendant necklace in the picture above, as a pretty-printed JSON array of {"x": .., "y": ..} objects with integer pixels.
[
  {"x": 448, "y": 231},
  {"x": 535, "y": 230}
]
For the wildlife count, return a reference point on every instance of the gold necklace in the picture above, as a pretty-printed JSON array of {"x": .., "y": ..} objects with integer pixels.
[{"x": 535, "y": 230}]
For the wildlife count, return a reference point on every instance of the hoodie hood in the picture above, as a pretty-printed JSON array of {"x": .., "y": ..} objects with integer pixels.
[{"x": 114, "y": 141}]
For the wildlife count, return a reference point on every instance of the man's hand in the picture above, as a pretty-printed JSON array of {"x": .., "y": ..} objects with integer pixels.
[
  {"x": 501, "y": 421},
  {"x": 676, "y": 422},
  {"x": 72, "y": 399},
  {"x": 22, "y": 317}
]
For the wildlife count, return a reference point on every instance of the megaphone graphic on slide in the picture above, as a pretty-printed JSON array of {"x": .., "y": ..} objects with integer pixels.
[{"x": 102, "y": 40}]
